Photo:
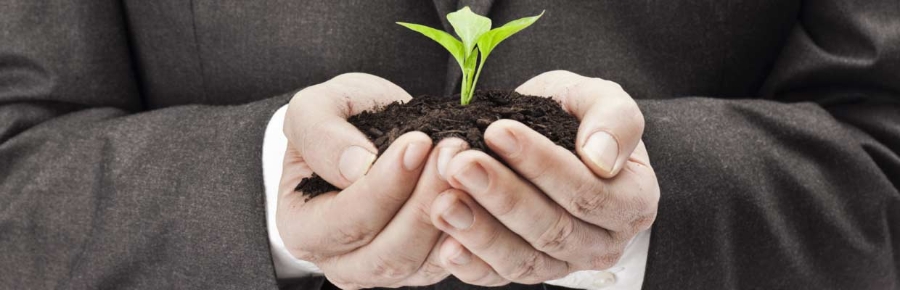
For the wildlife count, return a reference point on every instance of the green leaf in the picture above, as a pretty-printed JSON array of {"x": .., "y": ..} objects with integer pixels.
[
  {"x": 469, "y": 26},
  {"x": 453, "y": 45},
  {"x": 473, "y": 30},
  {"x": 488, "y": 41}
]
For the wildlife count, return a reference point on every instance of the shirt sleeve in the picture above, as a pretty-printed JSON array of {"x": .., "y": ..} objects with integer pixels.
[{"x": 627, "y": 274}]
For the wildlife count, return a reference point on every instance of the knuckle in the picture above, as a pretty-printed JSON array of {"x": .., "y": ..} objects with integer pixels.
[
  {"x": 589, "y": 199},
  {"x": 505, "y": 203},
  {"x": 606, "y": 259},
  {"x": 433, "y": 272},
  {"x": 353, "y": 235},
  {"x": 386, "y": 197},
  {"x": 394, "y": 268},
  {"x": 641, "y": 205},
  {"x": 561, "y": 273},
  {"x": 390, "y": 197},
  {"x": 526, "y": 271},
  {"x": 643, "y": 222},
  {"x": 422, "y": 213},
  {"x": 555, "y": 238},
  {"x": 488, "y": 242},
  {"x": 645, "y": 214},
  {"x": 538, "y": 172}
]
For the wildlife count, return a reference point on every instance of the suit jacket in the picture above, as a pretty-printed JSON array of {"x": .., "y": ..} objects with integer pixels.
[{"x": 130, "y": 131}]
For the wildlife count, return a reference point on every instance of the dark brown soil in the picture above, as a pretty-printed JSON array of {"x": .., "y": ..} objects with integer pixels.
[{"x": 444, "y": 117}]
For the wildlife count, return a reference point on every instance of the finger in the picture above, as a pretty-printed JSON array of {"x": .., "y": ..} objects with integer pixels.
[
  {"x": 338, "y": 223},
  {"x": 608, "y": 203},
  {"x": 468, "y": 268},
  {"x": 431, "y": 272},
  {"x": 316, "y": 122},
  {"x": 528, "y": 212},
  {"x": 455, "y": 213},
  {"x": 294, "y": 169},
  {"x": 611, "y": 124},
  {"x": 549, "y": 83},
  {"x": 399, "y": 250}
]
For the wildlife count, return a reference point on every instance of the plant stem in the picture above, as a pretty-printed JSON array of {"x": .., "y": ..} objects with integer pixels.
[
  {"x": 464, "y": 89},
  {"x": 470, "y": 86},
  {"x": 465, "y": 93},
  {"x": 477, "y": 74}
]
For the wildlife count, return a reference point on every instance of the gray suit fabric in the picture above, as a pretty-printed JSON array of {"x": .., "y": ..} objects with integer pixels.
[{"x": 130, "y": 131}]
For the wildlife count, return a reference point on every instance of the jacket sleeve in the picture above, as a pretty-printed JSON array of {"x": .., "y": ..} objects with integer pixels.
[
  {"x": 96, "y": 193},
  {"x": 797, "y": 191}
]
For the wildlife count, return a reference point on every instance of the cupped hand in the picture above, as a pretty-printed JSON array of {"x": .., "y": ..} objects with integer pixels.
[
  {"x": 549, "y": 213},
  {"x": 377, "y": 230}
]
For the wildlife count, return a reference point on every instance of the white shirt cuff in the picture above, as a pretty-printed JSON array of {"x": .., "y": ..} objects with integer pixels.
[{"x": 627, "y": 274}]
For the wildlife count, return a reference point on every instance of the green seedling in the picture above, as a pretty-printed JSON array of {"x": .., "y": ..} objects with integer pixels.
[{"x": 475, "y": 38}]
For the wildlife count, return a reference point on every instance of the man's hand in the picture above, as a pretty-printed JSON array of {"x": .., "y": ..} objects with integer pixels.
[
  {"x": 377, "y": 231},
  {"x": 552, "y": 214}
]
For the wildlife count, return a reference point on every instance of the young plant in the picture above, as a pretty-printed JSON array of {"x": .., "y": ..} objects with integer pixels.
[{"x": 474, "y": 32}]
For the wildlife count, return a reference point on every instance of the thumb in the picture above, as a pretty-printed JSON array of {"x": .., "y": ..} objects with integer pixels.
[
  {"x": 611, "y": 122},
  {"x": 316, "y": 123}
]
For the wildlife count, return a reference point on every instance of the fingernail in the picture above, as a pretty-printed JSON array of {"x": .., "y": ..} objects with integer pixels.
[
  {"x": 473, "y": 178},
  {"x": 414, "y": 155},
  {"x": 506, "y": 142},
  {"x": 444, "y": 156},
  {"x": 463, "y": 257},
  {"x": 458, "y": 215},
  {"x": 602, "y": 149},
  {"x": 355, "y": 162}
]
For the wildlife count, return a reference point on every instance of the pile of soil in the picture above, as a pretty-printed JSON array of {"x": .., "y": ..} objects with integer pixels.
[{"x": 444, "y": 117}]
